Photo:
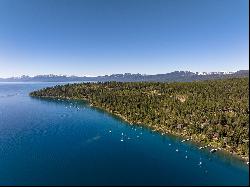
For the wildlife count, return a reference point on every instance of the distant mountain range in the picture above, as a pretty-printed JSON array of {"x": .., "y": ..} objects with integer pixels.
[{"x": 178, "y": 76}]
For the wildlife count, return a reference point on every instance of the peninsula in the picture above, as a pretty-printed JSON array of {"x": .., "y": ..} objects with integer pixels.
[{"x": 212, "y": 112}]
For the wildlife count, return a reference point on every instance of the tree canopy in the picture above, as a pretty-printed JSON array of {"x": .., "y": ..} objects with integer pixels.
[{"x": 214, "y": 112}]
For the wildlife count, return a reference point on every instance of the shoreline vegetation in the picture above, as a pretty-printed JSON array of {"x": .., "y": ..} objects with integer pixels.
[{"x": 212, "y": 113}]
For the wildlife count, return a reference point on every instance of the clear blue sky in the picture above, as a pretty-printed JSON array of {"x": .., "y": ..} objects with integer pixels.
[{"x": 98, "y": 37}]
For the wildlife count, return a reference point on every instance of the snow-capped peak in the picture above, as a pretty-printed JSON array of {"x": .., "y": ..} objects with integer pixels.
[{"x": 215, "y": 73}]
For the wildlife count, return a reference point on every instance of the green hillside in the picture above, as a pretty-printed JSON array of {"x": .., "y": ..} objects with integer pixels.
[{"x": 214, "y": 112}]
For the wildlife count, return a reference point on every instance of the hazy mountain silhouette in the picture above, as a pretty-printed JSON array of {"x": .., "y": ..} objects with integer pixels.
[{"x": 178, "y": 76}]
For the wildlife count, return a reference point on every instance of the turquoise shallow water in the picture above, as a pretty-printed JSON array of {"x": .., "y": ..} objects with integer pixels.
[{"x": 51, "y": 142}]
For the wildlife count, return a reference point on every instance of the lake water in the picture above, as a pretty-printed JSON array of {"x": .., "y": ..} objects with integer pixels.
[{"x": 50, "y": 142}]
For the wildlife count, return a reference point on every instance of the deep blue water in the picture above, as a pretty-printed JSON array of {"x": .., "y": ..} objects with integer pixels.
[{"x": 51, "y": 142}]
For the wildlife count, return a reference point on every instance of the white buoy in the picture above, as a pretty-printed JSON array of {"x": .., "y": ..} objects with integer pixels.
[
  {"x": 176, "y": 150},
  {"x": 121, "y": 140},
  {"x": 169, "y": 144},
  {"x": 122, "y": 133},
  {"x": 186, "y": 157},
  {"x": 110, "y": 131}
]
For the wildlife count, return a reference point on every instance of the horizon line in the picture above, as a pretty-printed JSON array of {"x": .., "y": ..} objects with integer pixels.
[{"x": 32, "y": 76}]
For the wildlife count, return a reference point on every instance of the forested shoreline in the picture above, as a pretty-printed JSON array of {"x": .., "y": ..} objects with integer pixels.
[{"x": 213, "y": 112}]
